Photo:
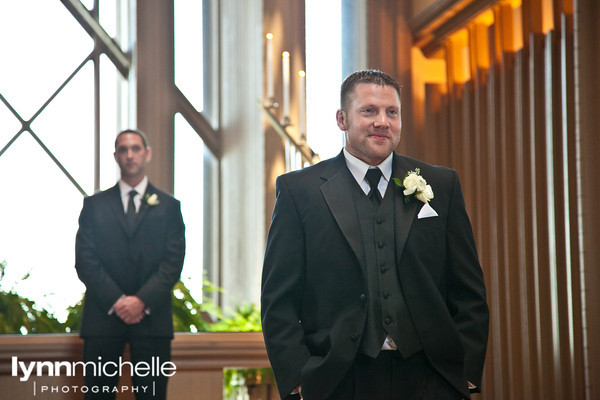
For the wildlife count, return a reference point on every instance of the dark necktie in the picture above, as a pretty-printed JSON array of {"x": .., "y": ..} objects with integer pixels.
[
  {"x": 373, "y": 176},
  {"x": 131, "y": 210}
]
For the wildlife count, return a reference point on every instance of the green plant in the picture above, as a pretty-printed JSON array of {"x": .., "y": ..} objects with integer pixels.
[
  {"x": 240, "y": 380},
  {"x": 21, "y": 315},
  {"x": 189, "y": 315}
]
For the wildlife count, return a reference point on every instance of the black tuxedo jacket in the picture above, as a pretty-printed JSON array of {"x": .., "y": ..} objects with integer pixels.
[
  {"x": 314, "y": 282},
  {"x": 113, "y": 262}
]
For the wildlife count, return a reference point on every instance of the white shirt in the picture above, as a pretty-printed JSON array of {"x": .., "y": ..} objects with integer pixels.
[
  {"x": 140, "y": 188},
  {"x": 358, "y": 169}
]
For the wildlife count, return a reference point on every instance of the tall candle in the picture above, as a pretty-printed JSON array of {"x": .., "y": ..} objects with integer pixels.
[
  {"x": 270, "y": 90},
  {"x": 302, "y": 104},
  {"x": 286, "y": 86}
]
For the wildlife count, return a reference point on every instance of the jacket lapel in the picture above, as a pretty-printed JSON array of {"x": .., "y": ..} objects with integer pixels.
[
  {"x": 337, "y": 191},
  {"x": 144, "y": 207},
  {"x": 404, "y": 212},
  {"x": 116, "y": 205}
]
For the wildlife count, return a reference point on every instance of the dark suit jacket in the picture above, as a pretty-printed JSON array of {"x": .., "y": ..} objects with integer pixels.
[
  {"x": 313, "y": 308},
  {"x": 111, "y": 262}
]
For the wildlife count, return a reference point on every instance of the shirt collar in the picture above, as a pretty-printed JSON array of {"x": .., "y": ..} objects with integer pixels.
[
  {"x": 140, "y": 188},
  {"x": 359, "y": 168}
]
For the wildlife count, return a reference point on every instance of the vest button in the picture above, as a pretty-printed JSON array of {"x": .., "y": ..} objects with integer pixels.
[
  {"x": 355, "y": 336},
  {"x": 381, "y": 245},
  {"x": 388, "y": 321},
  {"x": 379, "y": 221},
  {"x": 386, "y": 295}
]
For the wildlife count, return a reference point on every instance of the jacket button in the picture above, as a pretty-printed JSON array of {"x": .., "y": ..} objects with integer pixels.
[
  {"x": 386, "y": 295},
  {"x": 388, "y": 321},
  {"x": 363, "y": 297},
  {"x": 355, "y": 336}
]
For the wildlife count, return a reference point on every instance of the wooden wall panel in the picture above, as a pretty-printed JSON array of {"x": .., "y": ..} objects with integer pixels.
[
  {"x": 585, "y": 184},
  {"x": 513, "y": 132},
  {"x": 522, "y": 129}
]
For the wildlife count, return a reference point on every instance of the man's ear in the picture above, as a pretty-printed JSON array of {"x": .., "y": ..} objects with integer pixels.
[
  {"x": 148, "y": 154},
  {"x": 340, "y": 117}
]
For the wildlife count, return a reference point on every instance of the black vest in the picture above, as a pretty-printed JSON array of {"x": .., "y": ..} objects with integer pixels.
[{"x": 387, "y": 311}]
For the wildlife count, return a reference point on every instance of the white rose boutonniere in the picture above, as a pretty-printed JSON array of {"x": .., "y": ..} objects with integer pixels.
[
  {"x": 415, "y": 185},
  {"x": 151, "y": 199}
]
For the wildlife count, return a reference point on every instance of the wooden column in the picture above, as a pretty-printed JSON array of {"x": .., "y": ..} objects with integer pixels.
[{"x": 155, "y": 80}]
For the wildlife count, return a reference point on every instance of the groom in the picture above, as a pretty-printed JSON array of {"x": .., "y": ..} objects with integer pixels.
[
  {"x": 129, "y": 254},
  {"x": 371, "y": 286}
]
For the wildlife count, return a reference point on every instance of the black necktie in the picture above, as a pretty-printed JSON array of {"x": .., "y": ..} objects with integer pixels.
[
  {"x": 373, "y": 176},
  {"x": 131, "y": 210}
]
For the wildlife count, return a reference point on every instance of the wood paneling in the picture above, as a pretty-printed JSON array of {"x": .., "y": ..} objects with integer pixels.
[{"x": 522, "y": 131}]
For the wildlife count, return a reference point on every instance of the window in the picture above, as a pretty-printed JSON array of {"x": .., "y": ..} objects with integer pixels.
[
  {"x": 323, "y": 80},
  {"x": 196, "y": 187},
  {"x": 196, "y": 167},
  {"x": 336, "y": 32},
  {"x": 62, "y": 101},
  {"x": 189, "y": 65}
]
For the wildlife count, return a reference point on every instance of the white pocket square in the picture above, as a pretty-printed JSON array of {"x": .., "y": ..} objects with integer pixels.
[{"x": 427, "y": 212}]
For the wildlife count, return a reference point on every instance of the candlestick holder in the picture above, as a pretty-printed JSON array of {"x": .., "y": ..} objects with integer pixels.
[
  {"x": 285, "y": 122},
  {"x": 270, "y": 103}
]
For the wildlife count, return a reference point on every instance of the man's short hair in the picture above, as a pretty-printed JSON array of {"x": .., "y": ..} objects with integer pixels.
[
  {"x": 135, "y": 132},
  {"x": 373, "y": 76}
]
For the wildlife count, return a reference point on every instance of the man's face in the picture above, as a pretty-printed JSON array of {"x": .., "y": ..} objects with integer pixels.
[
  {"x": 132, "y": 156},
  {"x": 372, "y": 122}
]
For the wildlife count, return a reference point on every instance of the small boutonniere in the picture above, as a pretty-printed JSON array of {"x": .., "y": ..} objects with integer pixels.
[
  {"x": 151, "y": 199},
  {"x": 415, "y": 185}
]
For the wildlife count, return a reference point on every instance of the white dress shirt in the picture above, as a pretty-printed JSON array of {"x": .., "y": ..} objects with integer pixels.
[
  {"x": 140, "y": 188},
  {"x": 359, "y": 168}
]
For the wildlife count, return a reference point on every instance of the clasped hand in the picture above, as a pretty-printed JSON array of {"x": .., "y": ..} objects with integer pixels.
[{"x": 130, "y": 309}]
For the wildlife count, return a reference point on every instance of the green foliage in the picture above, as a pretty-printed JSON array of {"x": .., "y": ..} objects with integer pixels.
[
  {"x": 73, "y": 321},
  {"x": 236, "y": 380},
  {"x": 21, "y": 315},
  {"x": 189, "y": 315},
  {"x": 245, "y": 318}
]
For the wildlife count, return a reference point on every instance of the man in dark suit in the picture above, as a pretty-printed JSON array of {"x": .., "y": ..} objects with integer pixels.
[
  {"x": 372, "y": 287},
  {"x": 130, "y": 248}
]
